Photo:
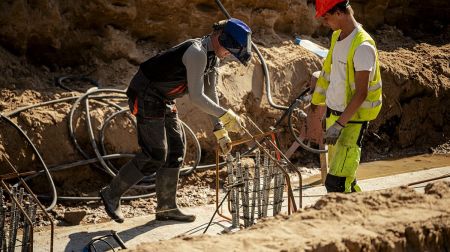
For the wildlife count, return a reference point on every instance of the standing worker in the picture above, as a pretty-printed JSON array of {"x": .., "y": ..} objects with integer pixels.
[
  {"x": 350, "y": 86},
  {"x": 187, "y": 68}
]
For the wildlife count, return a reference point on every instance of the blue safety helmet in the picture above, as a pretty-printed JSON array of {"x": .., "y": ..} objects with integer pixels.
[{"x": 236, "y": 38}]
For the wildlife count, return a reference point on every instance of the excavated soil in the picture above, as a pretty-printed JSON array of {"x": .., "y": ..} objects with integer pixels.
[{"x": 398, "y": 219}]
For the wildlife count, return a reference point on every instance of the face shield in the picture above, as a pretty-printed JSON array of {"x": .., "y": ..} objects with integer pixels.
[
  {"x": 236, "y": 38},
  {"x": 243, "y": 54}
]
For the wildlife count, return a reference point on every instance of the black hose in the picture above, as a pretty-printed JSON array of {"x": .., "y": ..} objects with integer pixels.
[
  {"x": 59, "y": 81},
  {"x": 49, "y": 177},
  {"x": 263, "y": 64},
  {"x": 76, "y": 164},
  {"x": 70, "y": 120},
  {"x": 296, "y": 137},
  {"x": 21, "y": 109},
  {"x": 90, "y": 198},
  {"x": 93, "y": 142},
  {"x": 102, "y": 132},
  {"x": 88, "y": 95},
  {"x": 188, "y": 170}
]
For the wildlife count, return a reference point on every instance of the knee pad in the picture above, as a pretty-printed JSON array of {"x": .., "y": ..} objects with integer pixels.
[{"x": 334, "y": 183}]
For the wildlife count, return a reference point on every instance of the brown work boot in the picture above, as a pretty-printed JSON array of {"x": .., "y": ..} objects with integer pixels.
[{"x": 166, "y": 193}]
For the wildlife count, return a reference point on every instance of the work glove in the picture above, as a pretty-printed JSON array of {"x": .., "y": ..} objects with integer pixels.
[
  {"x": 332, "y": 134},
  {"x": 223, "y": 140},
  {"x": 231, "y": 121}
]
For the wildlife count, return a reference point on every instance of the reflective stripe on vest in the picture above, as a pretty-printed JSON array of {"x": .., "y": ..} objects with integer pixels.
[{"x": 371, "y": 88}]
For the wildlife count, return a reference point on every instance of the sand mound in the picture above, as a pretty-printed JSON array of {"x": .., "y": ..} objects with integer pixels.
[{"x": 398, "y": 219}]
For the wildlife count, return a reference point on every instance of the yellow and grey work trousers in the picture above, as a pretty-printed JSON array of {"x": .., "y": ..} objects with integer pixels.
[{"x": 344, "y": 156}]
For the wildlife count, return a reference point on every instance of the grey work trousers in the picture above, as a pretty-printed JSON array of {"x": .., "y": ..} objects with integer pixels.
[{"x": 160, "y": 133}]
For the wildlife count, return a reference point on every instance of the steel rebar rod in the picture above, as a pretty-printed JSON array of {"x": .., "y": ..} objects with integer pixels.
[
  {"x": 235, "y": 221},
  {"x": 258, "y": 185},
  {"x": 3, "y": 209},
  {"x": 265, "y": 185},
  {"x": 286, "y": 174},
  {"x": 275, "y": 192},
  {"x": 13, "y": 199},
  {"x": 2, "y": 218},
  {"x": 26, "y": 228},
  {"x": 281, "y": 179},
  {"x": 238, "y": 191},
  {"x": 37, "y": 202},
  {"x": 255, "y": 193},
  {"x": 12, "y": 239},
  {"x": 19, "y": 196},
  {"x": 246, "y": 197}
]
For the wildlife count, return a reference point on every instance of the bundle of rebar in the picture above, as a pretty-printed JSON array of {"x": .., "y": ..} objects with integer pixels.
[
  {"x": 13, "y": 205},
  {"x": 254, "y": 189}
]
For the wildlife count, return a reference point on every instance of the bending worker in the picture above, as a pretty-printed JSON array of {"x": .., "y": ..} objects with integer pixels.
[
  {"x": 188, "y": 68},
  {"x": 350, "y": 86}
]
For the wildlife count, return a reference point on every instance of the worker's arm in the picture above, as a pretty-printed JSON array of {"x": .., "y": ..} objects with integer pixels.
[
  {"x": 195, "y": 61},
  {"x": 210, "y": 88}
]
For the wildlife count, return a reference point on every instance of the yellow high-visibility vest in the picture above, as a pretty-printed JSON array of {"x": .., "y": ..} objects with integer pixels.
[{"x": 371, "y": 106}]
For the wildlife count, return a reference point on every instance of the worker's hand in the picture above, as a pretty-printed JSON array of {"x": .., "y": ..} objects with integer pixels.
[
  {"x": 332, "y": 134},
  {"x": 223, "y": 140},
  {"x": 231, "y": 121}
]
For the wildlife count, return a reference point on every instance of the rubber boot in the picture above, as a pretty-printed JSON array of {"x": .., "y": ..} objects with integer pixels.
[
  {"x": 128, "y": 176},
  {"x": 166, "y": 193}
]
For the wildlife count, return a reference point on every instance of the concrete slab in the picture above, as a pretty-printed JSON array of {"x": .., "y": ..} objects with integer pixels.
[
  {"x": 133, "y": 231},
  {"x": 146, "y": 229},
  {"x": 312, "y": 194}
]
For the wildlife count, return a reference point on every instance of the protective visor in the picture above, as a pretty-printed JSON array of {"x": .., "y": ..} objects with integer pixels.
[{"x": 243, "y": 54}]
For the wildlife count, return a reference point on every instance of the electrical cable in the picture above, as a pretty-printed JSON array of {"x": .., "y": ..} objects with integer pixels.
[{"x": 49, "y": 177}]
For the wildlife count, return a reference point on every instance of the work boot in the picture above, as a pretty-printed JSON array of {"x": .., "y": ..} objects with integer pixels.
[
  {"x": 166, "y": 194},
  {"x": 128, "y": 176}
]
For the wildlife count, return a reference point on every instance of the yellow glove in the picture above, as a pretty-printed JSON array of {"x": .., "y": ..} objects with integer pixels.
[
  {"x": 231, "y": 121},
  {"x": 223, "y": 140}
]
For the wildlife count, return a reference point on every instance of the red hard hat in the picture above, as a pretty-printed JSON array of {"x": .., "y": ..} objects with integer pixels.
[{"x": 322, "y": 6}]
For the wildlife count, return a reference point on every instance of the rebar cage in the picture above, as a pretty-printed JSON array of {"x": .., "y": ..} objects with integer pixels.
[
  {"x": 258, "y": 184},
  {"x": 18, "y": 212}
]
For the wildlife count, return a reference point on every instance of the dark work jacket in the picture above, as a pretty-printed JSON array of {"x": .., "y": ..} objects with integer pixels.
[{"x": 167, "y": 73}]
